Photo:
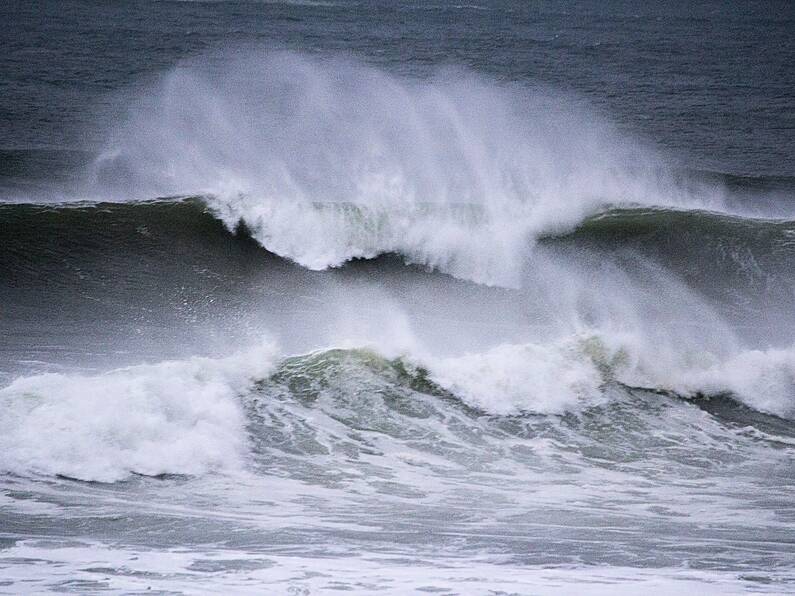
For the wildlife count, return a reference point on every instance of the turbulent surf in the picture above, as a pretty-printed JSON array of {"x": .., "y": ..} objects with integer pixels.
[{"x": 305, "y": 321}]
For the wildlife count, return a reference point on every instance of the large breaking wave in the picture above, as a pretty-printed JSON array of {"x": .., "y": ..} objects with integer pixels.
[
  {"x": 327, "y": 160},
  {"x": 600, "y": 273}
]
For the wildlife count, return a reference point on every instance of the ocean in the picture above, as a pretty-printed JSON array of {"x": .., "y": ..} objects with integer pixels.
[{"x": 451, "y": 297}]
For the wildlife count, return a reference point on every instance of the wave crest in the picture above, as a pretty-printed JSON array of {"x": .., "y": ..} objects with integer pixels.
[
  {"x": 277, "y": 134},
  {"x": 206, "y": 415}
]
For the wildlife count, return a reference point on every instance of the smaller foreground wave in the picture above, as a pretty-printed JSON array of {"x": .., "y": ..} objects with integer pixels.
[{"x": 202, "y": 415}]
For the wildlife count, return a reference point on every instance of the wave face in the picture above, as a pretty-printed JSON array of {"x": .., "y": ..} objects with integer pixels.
[{"x": 331, "y": 160}]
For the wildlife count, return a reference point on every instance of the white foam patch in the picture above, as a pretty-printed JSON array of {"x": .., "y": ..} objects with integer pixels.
[
  {"x": 512, "y": 378},
  {"x": 465, "y": 242},
  {"x": 103, "y": 567},
  {"x": 180, "y": 417},
  {"x": 570, "y": 373},
  {"x": 762, "y": 379}
]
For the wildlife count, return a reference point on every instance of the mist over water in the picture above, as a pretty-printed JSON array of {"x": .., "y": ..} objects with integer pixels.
[{"x": 307, "y": 322}]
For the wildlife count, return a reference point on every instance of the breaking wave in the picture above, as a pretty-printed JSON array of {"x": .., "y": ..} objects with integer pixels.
[
  {"x": 206, "y": 415},
  {"x": 331, "y": 160}
]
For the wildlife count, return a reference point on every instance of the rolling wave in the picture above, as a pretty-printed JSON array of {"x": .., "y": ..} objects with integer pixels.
[
  {"x": 257, "y": 409},
  {"x": 730, "y": 265}
]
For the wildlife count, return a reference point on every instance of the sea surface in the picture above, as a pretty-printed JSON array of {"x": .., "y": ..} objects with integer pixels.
[{"x": 452, "y": 297}]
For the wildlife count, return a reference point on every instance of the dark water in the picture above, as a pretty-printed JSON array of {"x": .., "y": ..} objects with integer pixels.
[
  {"x": 489, "y": 297},
  {"x": 711, "y": 82}
]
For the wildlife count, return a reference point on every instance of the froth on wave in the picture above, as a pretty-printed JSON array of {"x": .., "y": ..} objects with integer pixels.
[
  {"x": 206, "y": 415},
  {"x": 180, "y": 417}
]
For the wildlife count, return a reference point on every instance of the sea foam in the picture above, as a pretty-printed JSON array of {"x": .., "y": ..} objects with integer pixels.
[
  {"x": 188, "y": 417},
  {"x": 180, "y": 417}
]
